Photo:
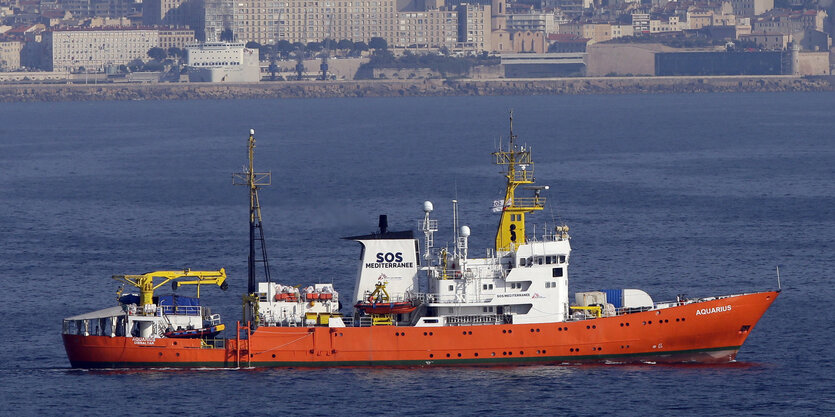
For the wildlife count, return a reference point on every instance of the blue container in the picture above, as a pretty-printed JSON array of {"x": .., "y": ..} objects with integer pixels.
[{"x": 614, "y": 297}]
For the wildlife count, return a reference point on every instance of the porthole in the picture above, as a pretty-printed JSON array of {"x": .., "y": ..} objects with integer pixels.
[
  {"x": 475, "y": 354},
  {"x": 431, "y": 356},
  {"x": 273, "y": 355},
  {"x": 459, "y": 355},
  {"x": 447, "y": 355}
]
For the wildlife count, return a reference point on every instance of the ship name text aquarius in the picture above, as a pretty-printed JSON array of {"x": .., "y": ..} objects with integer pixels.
[{"x": 720, "y": 309}]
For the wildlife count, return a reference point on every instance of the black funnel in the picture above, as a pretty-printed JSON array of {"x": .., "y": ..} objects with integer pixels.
[{"x": 384, "y": 224}]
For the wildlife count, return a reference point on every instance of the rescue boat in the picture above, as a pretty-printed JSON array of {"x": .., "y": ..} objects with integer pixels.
[{"x": 417, "y": 305}]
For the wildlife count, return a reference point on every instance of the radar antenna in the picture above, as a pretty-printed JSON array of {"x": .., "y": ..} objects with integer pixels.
[{"x": 518, "y": 171}]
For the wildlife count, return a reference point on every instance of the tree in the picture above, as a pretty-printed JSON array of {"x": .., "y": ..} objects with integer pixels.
[
  {"x": 135, "y": 65},
  {"x": 153, "y": 66},
  {"x": 345, "y": 44},
  {"x": 329, "y": 44},
  {"x": 227, "y": 35},
  {"x": 314, "y": 46},
  {"x": 157, "y": 54},
  {"x": 358, "y": 48},
  {"x": 273, "y": 68},
  {"x": 378, "y": 43},
  {"x": 284, "y": 47},
  {"x": 176, "y": 52},
  {"x": 252, "y": 45}
]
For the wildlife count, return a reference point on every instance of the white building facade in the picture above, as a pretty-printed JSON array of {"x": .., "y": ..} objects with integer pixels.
[
  {"x": 222, "y": 62},
  {"x": 97, "y": 49}
]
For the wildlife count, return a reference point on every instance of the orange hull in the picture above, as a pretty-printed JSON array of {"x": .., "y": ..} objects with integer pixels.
[{"x": 710, "y": 331}]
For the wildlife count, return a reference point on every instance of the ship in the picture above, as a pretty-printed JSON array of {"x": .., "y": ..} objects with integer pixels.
[{"x": 414, "y": 304}]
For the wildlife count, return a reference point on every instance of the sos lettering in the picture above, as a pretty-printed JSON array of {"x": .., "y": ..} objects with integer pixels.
[{"x": 389, "y": 257}]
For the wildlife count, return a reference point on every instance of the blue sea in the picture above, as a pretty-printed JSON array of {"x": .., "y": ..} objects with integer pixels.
[{"x": 703, "y": 194}]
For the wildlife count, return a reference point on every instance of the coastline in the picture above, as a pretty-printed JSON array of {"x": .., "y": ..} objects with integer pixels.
[{"x": 15, "y": 93}]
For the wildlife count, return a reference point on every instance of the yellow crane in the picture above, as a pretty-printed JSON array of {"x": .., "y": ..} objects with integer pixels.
[{"x": 146, "y": 285}]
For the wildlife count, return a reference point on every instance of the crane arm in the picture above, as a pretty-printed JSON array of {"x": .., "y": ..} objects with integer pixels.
[{"x": 145, "y": 282}]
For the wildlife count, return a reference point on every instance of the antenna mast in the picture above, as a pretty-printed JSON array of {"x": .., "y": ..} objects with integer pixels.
[{"x": 254, "y": 180}]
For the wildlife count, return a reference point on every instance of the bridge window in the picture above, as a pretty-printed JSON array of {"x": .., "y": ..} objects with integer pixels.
[
  {"x": 522, "y": 262},
  {"x": 561, "y": 259},
  {"x": 556, "y": 272}
]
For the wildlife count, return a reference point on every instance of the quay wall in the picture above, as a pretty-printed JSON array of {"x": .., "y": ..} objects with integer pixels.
[{"x": 11, "y": 93}]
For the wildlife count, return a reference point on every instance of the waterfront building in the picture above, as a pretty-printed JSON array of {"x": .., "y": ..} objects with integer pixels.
[
  {"x": 100, "y": 8},
  {"x": 546, "y": 22},
  {"x": 355, "y": 20},
  {"x": 751, "y": 8},
  {"x": 222, "y": 62},
  {"x": 430, "y": 28},
  {"x": 10, "y": 55},
  {"x": 176, "y": 38},
  {"x": 594, "y": 32},
  {"x": 474, "y": 27},
  {"x": 640, "y": 23},
  {"x": 768, "y": 41},
  {"x": 173, "y": 13},
  {"x": 97, "y": 49}
]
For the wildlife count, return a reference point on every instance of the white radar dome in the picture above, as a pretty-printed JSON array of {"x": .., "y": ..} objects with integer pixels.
[
  {"x": 428, "y": 207},
  {"x": 465, "y": 231}
]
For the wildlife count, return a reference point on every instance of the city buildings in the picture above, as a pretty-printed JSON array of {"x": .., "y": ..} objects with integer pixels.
[
  {"x": 96, "y": 49},
  {"x": 222, "y": 62}
]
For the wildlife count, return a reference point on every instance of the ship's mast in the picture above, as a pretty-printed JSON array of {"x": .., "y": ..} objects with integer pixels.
[
  {"x": 511, "y": 232},
  {"x": 254, "y": 180}
]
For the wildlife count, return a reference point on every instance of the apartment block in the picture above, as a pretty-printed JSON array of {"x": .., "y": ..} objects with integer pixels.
[
  {"x": 176, "y": 38},
  {"x": 474, "y": 28},
  {"x": 431, "y": 28},
  {"x": 97, "y": 49}
]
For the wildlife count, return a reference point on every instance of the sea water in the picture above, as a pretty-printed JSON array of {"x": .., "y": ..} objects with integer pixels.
[{"x": 673, "y": 194}]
